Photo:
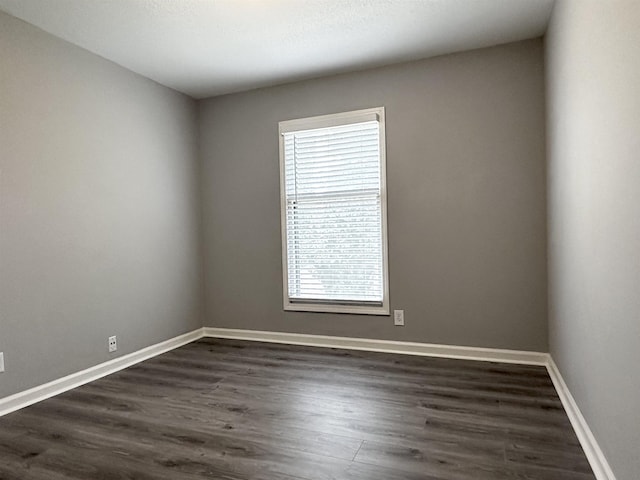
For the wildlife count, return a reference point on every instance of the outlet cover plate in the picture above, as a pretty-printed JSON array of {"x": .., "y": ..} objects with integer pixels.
[
  {"x": 113, "y": 344},
  {"x": 398, "y": 317},
  {"x": 1, "y": 362}
]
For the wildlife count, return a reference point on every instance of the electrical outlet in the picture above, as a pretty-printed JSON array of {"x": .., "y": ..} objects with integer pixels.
[
  {"x": 113, "y": 344},
  {"x": 1, "y": 362},
  {"x": 398, "y": 317}
]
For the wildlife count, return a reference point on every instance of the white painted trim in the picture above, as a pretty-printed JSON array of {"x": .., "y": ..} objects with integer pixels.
[
  {"x": 592, "y": 450},
  {"x": 386, "y": 346},
  {"x": 56, "y": 387},
  {"x": 375, "y": 114}
]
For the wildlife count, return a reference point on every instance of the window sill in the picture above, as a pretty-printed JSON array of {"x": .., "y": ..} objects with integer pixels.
[{"x": 329, "y": 308}]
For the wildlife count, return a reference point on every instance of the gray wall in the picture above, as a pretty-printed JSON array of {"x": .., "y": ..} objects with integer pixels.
[
  {"x": 593, "y": 82},
  {"x": 99, "y": 209},
  {"x": 466, "y": 189}
]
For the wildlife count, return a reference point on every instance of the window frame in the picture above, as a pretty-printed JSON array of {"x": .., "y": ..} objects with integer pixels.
[{"x": 324, "y": 121}]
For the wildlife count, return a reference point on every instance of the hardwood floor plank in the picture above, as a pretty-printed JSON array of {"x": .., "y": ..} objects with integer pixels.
[
  {"x": 542, "y": 455},
  {"x": 122, "y": 421},
  {"x": 453, "y": 465}
]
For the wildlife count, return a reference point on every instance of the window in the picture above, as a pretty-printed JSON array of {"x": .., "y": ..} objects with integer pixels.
[{"x": 333, "y": 202}]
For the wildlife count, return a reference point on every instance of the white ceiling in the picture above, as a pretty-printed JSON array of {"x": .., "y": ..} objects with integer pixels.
[{"x": 211, "y": 47}]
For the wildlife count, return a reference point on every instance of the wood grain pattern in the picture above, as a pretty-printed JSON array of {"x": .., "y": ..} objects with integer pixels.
[{"x": 239, "y": 410}]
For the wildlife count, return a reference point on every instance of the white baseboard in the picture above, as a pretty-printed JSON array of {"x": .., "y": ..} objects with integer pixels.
[
  {"x": 592, "y": 450},
  {"x": 56, "y": 387},
  {"x": 386, "y": 346}
]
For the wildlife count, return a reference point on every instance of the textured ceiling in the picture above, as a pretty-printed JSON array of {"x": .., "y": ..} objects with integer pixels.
[{"x": 211, "y": 47}]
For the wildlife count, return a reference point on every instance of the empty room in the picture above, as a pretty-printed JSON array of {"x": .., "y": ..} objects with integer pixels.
[{"x": 319, "y": 239}]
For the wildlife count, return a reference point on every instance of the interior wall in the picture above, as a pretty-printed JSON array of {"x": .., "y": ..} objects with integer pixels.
[
  {"x": 99, "y": 209},
  {"x": 466, "y": 199},
  {"x": 593, "y": 84}
]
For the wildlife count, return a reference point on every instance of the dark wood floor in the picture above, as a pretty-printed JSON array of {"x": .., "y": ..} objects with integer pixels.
[{"x": 224, "y": 409}]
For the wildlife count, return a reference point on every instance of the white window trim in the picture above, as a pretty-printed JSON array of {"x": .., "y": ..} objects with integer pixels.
[{"x": 344, "y": 118}]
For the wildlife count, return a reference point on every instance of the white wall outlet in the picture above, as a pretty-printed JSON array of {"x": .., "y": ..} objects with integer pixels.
[
  {"x": 1, "y": 362},
  {"x": 113, "y": 344},
  {"x": 398, "y": 317}
]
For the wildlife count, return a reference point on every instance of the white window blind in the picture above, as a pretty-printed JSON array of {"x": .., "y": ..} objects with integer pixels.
[{"x": 333, "y": 212}]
